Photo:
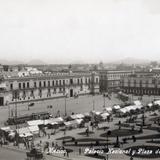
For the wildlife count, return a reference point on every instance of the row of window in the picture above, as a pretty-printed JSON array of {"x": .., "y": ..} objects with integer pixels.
[
  {"x": 51, "y": 83},
  {"x": 61, "y": 90},
  {"x": 40, "y": 92},
  {"x": 140, "y": 82},
  {"x": 115, "y": 75},
  {"x": 143, "y": 91}
]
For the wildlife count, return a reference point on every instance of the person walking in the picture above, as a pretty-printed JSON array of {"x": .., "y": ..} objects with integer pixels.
[{"x": 80, "y": 151}]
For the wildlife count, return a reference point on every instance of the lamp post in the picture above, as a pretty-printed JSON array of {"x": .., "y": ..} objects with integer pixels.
[
  {"x": 65, "y": 105},
  {"x": 108, "y": 134},
  {"x": 93, "y": 104},
  {"x": 104, "y": 101},
  {"x": 17, "y": 136},
  {"x": 16, "y": 108},
  {"x": 9, "y": 114}
]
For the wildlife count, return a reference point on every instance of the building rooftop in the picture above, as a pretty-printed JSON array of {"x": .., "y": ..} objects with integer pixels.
[{"x": 16, "y": 75}]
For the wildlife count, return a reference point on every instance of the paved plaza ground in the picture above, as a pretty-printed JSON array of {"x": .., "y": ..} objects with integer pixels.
[{"x": 77, "y": 105}]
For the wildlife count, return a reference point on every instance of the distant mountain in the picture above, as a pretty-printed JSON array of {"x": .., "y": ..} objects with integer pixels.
[
  {"x": 130, "y": 60},
  {"x": 32, "y": 62},
  {"x": 36, "y": 62},
  {"x": 77, "y": 62},
  {"x": 6, "y": 62}
]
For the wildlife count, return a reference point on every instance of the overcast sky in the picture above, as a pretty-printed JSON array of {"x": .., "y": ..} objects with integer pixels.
[{"x": 64, "y": 31}]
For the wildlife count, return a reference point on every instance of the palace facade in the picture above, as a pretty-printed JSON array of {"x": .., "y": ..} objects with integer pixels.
[
  {"x": 14, "y": 88},
  {"x": 110, "y": 79}
]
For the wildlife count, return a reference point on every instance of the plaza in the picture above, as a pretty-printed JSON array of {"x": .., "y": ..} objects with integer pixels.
[{"x": 95, "y": 139}]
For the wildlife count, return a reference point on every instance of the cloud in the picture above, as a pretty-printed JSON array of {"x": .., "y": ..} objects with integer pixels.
[{"x": 86, "y": 30}]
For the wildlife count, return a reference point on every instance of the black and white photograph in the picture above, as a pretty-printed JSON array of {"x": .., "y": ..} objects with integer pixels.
[{"x": 79, "y": 79}]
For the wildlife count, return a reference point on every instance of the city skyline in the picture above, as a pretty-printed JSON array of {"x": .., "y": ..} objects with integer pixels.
[{"x": 79, "y": 31}]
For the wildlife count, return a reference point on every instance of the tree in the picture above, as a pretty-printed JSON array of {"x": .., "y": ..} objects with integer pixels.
[{"x": 154, "y": 63}]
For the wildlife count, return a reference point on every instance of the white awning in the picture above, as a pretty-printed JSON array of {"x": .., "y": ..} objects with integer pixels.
[
  {"x": 96, "y": 112},
  {"x": 129, "y": 108},
  {"x": 157, "y": 102},
  {"x": 137, "y": 103},
  {"x": 79, "y": 121},
  {"x": 34, "y": 129},
  {"x": 108, "y": 109},
  {"x": 150, "y": 105},
  {"x": 24, "y": 130},
  {"x": 77, "y": 116},
  {"x": 105, "y": 114},
  {"x": 6, "y": 129},
  {"x": 74, "y": 122},
  {"x": 35, "y": 122},
  {"x": 116, "y": 107},
  {"x": 26, "y": 135},
  {"x": 56, "y": 120}
]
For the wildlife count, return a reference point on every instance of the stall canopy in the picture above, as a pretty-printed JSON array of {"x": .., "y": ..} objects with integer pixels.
[
  {"x": 24, "y": 132},
  {"x": 129, "y": 108},
  {"x": 6, "y": 129},
  {"x": 26, "y": 135},
  {"x": 108, "y": 109},
  {"x": 86, "y": 114},
  {"x": 28, "y": 131},
  {"x": 77, "y": 116},
  {"x": 156, "y": 102},
  {"x": 123, "y": 110},
  {"x": 45, "y": 122},
  {"x": 150, "y": 105},
  {"x": 33, "y": 129},
  {"x": 73, "y": 123},
  {"x": 105, "y": 115},
  {"x": 58, "y": 120},
  {"x": 116, "y": 107},
  {"x": 137, "y": 103},
  {"x": 95, "y": 113},
  {"x": 35, "y": 122}
]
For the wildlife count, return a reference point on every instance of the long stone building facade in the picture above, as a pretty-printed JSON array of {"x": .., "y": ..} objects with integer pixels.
[
  {"x": 46, "y": 86},
  {"x": 143, "y": 85}
]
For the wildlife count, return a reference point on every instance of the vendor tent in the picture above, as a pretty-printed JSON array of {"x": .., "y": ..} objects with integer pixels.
[
  {"x": 58, "y": 120},
  {"x": 35, "y": 122},
  {"x": 6, "y": 129},
  {"x": 157, "y": 102},
  {"x": 105, "y": 115},
  {"x": 116, "y": 107},
  {"x": 95, "y": 112},
  {"x": 129, "y": 108},
  {"x": 34, "y": 129},
  {"x": 137, "y": 103},
  {"x": 108, "y": 109},
  {"x": 24, "y": 132},
  {"x": 24, "y": 135},
  {"x": 150, "y": 105},
  {"x": 73, "y": 123},
  {"x": 77, "y": 116}
]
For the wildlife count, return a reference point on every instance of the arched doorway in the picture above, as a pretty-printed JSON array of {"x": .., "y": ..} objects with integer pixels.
[
  {"x": 1, "y": 101},
  {"x": 71, "y": 92}
]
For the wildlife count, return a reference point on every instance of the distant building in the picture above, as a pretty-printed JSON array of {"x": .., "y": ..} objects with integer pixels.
[
  {"x": 141, "y": 84},
  {"x": 110, "y": 79},
  {"x": 6, "y": 68},
  {"x": 1, "y": 68},
  {"x": 15, "y": 88}
]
